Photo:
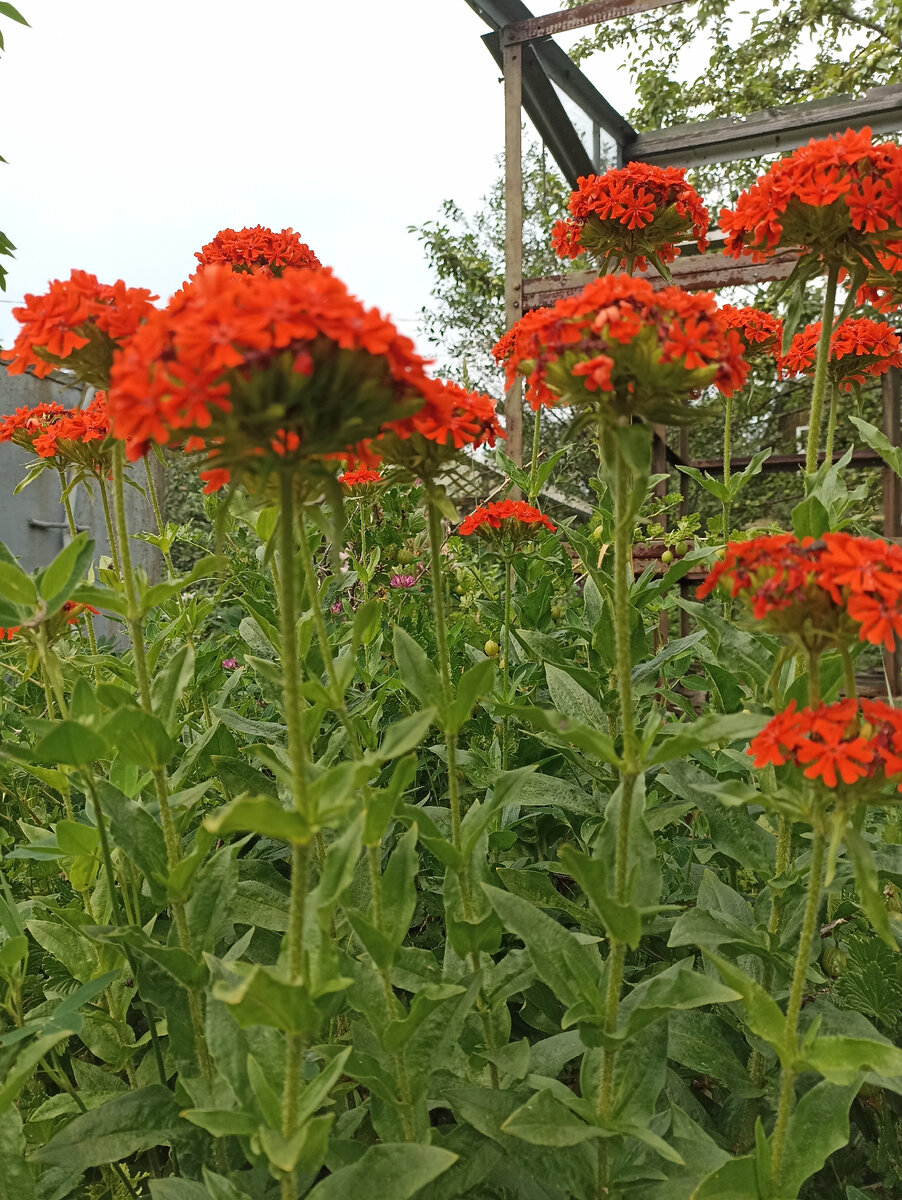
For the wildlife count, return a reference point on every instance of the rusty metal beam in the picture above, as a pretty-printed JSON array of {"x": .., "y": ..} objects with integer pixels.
[
  {"x": 697, "y": 272},
  {"x": 592, "y": 13}
]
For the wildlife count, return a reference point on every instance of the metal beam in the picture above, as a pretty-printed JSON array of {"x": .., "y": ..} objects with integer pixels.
[
  {"x": 697, "y": 272},
  {"x": 769, "y": 131},
  {"x": 544, "y": 108},
  {"x": 592, "y": 13},
  {"x": 563, "y": 71},
  {"x": 512, "y": 57}
]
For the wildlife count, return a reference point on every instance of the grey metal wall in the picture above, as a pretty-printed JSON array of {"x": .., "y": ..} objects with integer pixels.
[{"x": 33, "y": 523}]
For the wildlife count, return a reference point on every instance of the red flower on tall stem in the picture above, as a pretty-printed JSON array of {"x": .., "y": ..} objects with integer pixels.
[
  {"x": 359, "y": 477},
  {"x": 264, "y": 370},
  {"x": 68, "y": 436},
  {"x": 842, "y": 743},
  {"x": 859, "y": 347},
  {"x": 514, "y": 518},
  {"x": 829, "y": 199},
  {"x": 629, "y": 350},
  {"x": 824, "y": 593},
  {"x": 761, "y": 332},
  {"x": 77, "y": 324},
  {"x": 258, "y": 250},
  {"x": 631, "y": 215}
]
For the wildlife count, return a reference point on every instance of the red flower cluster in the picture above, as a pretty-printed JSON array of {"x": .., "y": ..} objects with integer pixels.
[
  {"x": 631, "y": 214},
  {"x": 826, "y": 197},
  {"x": 258, "y": 249},
  {"x": 859, "y": 347},
  {"x": 619, "y": 340},
  {"x": 76, "y": 324},
  {"x": 507, "y": 516},
  {"x": 830, "y": 589},
  {"x": 359, "y": 477},
  {"x": 847, "y": 741},
  {"x": 256, "y": 364},
  {"x": 883, "y": 290},
  {"x": 52, "y": 431},
  {"x": 71, "y": 611},
  {"x": 761, "y": 333}
]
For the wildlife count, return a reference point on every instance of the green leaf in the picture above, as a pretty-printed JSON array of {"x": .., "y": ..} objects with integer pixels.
[
  {"x": 207, "y": 909},
  {"x": 259, "y": 996},
  {"x": 841, "y": 1060},
  {"x": 737, "y": 1179},
  {"x": 475, "y": 682},
  {"x": 417, "y": 673},
  {"x": 399, "y": 1032},
  {"x": 867, "y": 884},
  {"x": 565, "y": 730},
  {"x": 212, "y": 564},
  {"x": 405, "y": 735},
  {"x": 594, "y": 876},
  {"x": 677, "y": 740},
  {"x": 765, "y": 1017},
  {"x": 260, "y": 814},
  {"x": 818, "y": 1126},
  {"x": 810, "y": 518},
  {"x": 75, "y": 838},
  {"x": 7, "y": 10},
  {"x": 170, "y": 682},
  {"x": 73, "y": 744},
  {"x": 877, "y": 440},
  {"x": 16, "y": 1174},
  {"x": 386, "y": 1172},
  {"x": 17, "y": 587},
  {"x": 57, "y": 582},
  {"x": 702, "y": 1041},
  {"x": 572, "y": 700},
  {"x": 141, "y": 739},
  {"x": 544, "y": 1121},
  {"x": 708, "y": 482},
  {"x": 125, "y": 1125},
  {"x": 221, "y": 1188}
]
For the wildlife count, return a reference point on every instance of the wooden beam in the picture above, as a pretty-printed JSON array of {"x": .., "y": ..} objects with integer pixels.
[
  {"x": 513, "y": 235},
  {"x": 695, "y": 272},
  {"x": 592, "y": 13},
  {"x": 768, "y": 132}
]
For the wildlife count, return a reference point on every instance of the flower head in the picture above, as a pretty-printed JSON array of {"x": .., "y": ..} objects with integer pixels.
[
  {"x": 359, "y": 477},
  {"x": 265, "y": 371},
  {"x": 632, "y": 214},
  {"x": 258, "y": 250},
  {"x": 761, "y": 333},
  {"x": 829, "y": 198},
  {"x": 820, "y": 593},
  {"x": 77, "y": 324},
  {"x": 626, "y": 349},
  {"x": 63, "y": 436},
  {"x": 506, "y": 522},
  {"x": 229, "y": 664},
  {"x": 835, "y": 744},
  {"x": 402, "y": 581},
  {"x": 883, "y": 288},
  {"x": 859, "y": 347}
]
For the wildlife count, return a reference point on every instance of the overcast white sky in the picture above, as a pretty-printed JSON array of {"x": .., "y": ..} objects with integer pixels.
[{"x": 134, "y": 132}]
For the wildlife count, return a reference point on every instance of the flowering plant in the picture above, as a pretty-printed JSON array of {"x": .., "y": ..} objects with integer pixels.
[{"x": 258, "y": 250}]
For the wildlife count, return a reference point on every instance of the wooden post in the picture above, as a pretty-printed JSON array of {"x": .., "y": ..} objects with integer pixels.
[{"x": 512, "y": 66}]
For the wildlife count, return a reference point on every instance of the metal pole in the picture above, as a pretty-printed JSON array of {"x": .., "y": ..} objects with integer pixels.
[{"x": 512, "y": 67}]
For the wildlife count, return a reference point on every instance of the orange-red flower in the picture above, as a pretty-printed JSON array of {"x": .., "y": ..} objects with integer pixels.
[
  {"x": 761, "y": 333},
  {"x": 823, "y": 592},
  {"x": 514, "y": 519},
  {"x": 258, "y": 250},
  {"x": 829, "y": 198},
  {"x": 627, "y": 349},
  {"x": 359, "y": 477},
  {"x": 77, "y": 324},
  {"x": 68, "y": 436},
  {"x": 858, "y": 347},
  {"x": 266, "y": 368},
  {"x": 632, "y": 214},
  {"x": 883, "y": 288},
  {"x": 451, "y": 419},
  {"x": 841, "y": 743}
]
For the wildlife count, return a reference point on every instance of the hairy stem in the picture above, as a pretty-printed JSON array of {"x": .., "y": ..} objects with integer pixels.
[
  {"x": 505, "y": 670},
  {"x": 793, "y": 1008},
  {"x": 821, "y": 370},
  {"x": 534, "y": 464}
]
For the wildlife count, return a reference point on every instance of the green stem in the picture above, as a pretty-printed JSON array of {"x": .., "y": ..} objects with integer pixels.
[
  {"x": 73, "y": 533},
  {"x": 793, "y": 1008},
  {"x": 322, "y": 636},
  {"x": 110, "y": 531},
  {"x": 160, "y": 779},
  {"x": 364, "y": 575},
  {"x": 629, "y": 773},
  {"x": 831, "y": 422},
  {"x": 727, "y": 464},
  {"x": 505, "y": 670},
  {"x": 534, "y": 465},
  {"x": 849, "y": 674},
  {"x": 821, "y": 370},
  {"x": 300, "y": 853}
]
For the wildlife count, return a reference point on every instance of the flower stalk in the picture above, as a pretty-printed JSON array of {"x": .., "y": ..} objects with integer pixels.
[{"x": 821, "y": 371}]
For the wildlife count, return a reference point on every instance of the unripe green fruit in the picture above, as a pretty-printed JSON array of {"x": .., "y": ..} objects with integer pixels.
[
  {"x": 596, "y": 534},
  {"x": 491, "y": 649},
  {"x": 681, "y": 548},
  {"x": 556, "y": 612},
  {"x": 460, "y": 591},
  {"x": 667, "y": 558},
  {"x": 834, "y": 960},
  {"x": 405, "y": 556}
]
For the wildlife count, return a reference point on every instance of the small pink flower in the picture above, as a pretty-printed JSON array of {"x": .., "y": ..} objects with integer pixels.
[
  {"x": 337, "y": 608},
  {"x": 229, "y": 664},
  {"x": 402, "y": 581}
]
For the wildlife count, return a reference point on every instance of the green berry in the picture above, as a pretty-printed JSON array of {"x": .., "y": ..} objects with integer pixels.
[
  {"x": 556, "y": 612},
  {"x": 667, "y": 558},
  {"x": 491, "y": 649},
  {"x": 680, "y": 548},
  {"x": 834, "y": 960}
]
